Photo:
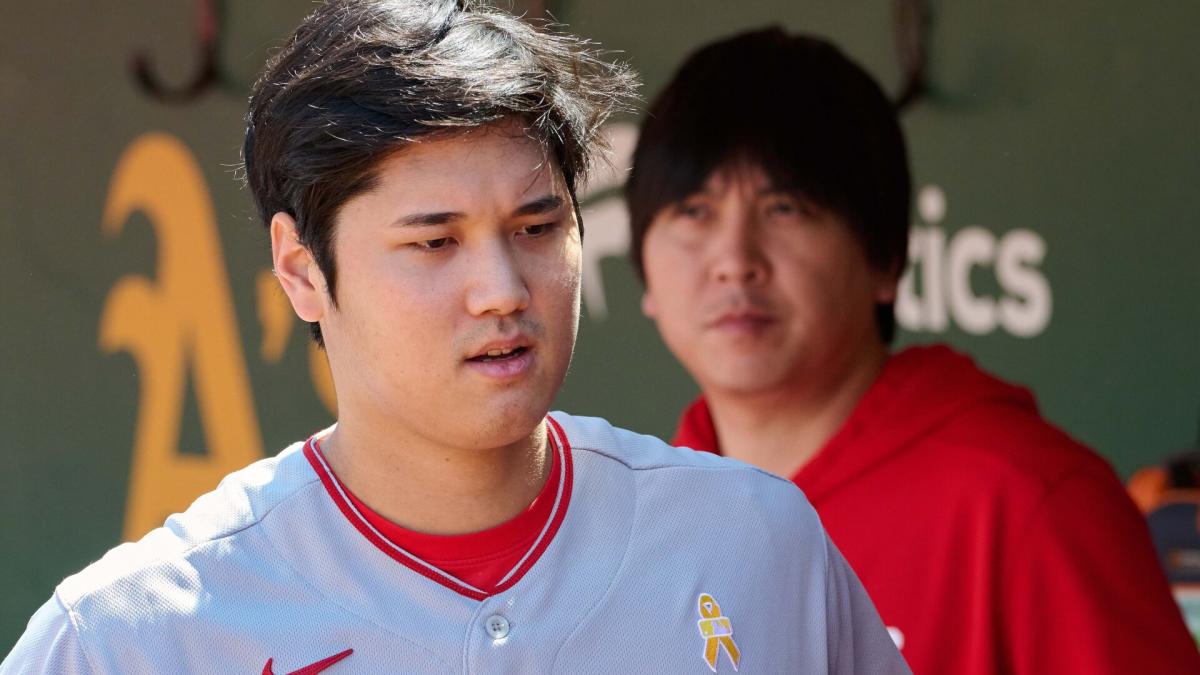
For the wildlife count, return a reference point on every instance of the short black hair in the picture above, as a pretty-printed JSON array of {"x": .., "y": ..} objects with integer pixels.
[
  {"x": 813, "y": 119},
  {"x": 361, "y": 79}
]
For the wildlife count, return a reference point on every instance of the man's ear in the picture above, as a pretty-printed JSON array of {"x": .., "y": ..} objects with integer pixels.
[
  {"x": 887, "y": 282},
  {"x": 649, "y": 305},
  {"x": 885, "y": 291},
  {"x": 296, "y": 269}
]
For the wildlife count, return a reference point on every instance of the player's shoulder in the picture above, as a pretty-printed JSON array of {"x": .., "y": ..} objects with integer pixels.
[
  {"x": 641, "y": 452},
  {"x": 668, "y": 469},
  {"x": 191, "y": 540}
]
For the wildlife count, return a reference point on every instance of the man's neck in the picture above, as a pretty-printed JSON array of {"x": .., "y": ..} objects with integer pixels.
[
  {"x": 433, "y": 489},
  {"x": 782, "y": 429}
]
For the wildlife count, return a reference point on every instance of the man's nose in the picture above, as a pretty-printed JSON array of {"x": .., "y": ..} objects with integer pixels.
[
  {"x": 498, "y": 284},
  {"x": 738, "y": 254}
]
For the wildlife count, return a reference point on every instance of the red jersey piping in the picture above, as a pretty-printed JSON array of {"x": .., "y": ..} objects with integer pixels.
[{"x": 337, "y": 491}]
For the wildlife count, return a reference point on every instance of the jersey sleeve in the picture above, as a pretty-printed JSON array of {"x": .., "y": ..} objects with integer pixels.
[
  {"x": 858, "y": 641},
  {"x": 1084, "y": 591},
  {"x": 50, "y": 644}
]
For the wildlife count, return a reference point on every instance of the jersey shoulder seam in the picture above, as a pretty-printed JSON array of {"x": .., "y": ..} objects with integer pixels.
[
  {"x": 726, "y": 465},
  {"x": 1080, "y": 470},
  {"x": 73, "y": 620},
  {"x": 255, "y": 520}
]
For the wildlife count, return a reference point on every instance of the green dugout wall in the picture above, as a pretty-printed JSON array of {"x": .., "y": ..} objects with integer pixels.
[{"x": 145, "y": 353}]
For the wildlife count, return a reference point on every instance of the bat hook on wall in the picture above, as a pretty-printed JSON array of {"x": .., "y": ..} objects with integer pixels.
[
  {"x": 208, "y": 33},
  {"x": 912, "y": 48}
]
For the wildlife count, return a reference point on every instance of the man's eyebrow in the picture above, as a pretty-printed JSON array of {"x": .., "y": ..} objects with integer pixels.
[
  {"x": 428, "y": 219},
  {"x": 539, "y": 206},
  {"x": 536, "y": 207}
]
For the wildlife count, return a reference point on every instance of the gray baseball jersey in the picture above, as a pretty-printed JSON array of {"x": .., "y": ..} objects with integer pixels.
[{"x": 655, "y": 560}]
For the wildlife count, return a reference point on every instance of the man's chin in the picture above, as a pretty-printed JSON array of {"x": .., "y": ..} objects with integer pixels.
[
  {"x": 747, "y": 378},
  {"x": 511, "y": 422}
]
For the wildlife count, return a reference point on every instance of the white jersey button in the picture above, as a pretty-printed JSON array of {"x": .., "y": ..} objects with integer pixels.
[{"x": 497, "y": 626}]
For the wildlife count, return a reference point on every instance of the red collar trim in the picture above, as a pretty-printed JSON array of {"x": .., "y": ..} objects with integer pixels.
[{"x": 562, "y": 498}]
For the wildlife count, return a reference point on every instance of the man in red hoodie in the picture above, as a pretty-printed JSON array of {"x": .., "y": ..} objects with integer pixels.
[{"x": 769, "y": 203}]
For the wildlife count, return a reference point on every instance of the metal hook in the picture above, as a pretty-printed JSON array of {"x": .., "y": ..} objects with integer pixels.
[
  {"x": 912, "y": 34},
  {"x": 208, "y": 32}
]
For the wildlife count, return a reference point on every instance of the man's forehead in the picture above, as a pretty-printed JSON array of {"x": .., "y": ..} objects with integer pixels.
[
  {"x": 495, "y": 159},
  {"x": 747, "y": 174}
]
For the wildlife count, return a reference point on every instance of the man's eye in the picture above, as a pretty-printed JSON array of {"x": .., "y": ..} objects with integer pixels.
[
  {"x": 793, "y": 206},
  {"x": 692, "y": 210},
  {"x": 433, "y": 244},
  {"x": 537, "y": 230}
]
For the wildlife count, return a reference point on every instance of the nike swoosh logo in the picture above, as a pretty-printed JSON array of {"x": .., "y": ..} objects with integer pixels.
[{"x": 311, "y": 669}]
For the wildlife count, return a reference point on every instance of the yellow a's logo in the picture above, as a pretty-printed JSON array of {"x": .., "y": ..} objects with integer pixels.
[
  {"x": 182, "y": 319},
  {"x": 717, "y": 631}
]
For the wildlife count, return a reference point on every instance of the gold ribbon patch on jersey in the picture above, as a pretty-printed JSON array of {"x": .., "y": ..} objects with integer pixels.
[{"x": 717, "y": 632}]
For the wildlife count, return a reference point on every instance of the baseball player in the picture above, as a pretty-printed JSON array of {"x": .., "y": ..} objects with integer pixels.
[{"x": 416, "y": 164}]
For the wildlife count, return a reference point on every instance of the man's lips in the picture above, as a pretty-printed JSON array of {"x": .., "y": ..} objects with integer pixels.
[
  {"x": 741, "y": 320},
  {"x": 502, "y": 363},
  {"x": 502, "y": 359},
  {"x": 500, "y": 349}
]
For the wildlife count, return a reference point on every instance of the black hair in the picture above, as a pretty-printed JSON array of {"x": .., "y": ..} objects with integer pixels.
[
  {"x": 361, "y": 79},
  {"x": 815, "y": 121}
]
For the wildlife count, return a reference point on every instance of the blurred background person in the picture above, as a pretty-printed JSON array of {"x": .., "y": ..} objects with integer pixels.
[{"x": 769, "y": 205}]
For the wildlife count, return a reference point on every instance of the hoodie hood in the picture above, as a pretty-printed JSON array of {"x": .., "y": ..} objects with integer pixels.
[{"x": 918, "y": 390}]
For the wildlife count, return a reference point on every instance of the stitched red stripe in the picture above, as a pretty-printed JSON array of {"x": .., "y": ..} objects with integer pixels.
[
  {"x": 568, "y": 473},
  {"x": 559, "y": 444}
]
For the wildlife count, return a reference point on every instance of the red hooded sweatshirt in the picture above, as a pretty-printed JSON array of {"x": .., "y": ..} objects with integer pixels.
[{"x": 990, "y": 541}]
